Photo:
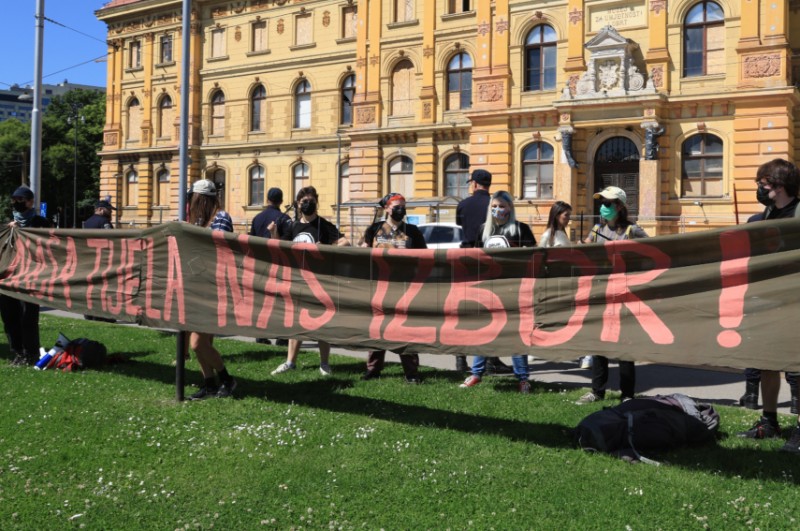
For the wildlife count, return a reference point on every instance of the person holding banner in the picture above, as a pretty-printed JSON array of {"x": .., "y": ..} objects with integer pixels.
[
  {"x": 310, "y": 228},
  {"x": 393, "y": 233},
  {"x": 778, "y": 186},
  {"x": 205, "y": 211},
  {"x": 501, "y": 229},
  {"x": 614, "y": 226},
  {"x": 20, "y": 318}
]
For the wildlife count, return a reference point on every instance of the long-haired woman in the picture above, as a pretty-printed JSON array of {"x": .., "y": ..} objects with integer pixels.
[
  {"x": 205, "y": 211},
  {"x": 556, "y": 233}
]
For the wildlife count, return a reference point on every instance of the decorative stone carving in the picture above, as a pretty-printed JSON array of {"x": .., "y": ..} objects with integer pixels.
[
  {"x": 280, "y": 26},
  {"x": 657, "y": 6},
  {"x": 110, "y": 139},
  {"x": 237, "y": 34},
  {"x": 326, "y": 19},
  {"x": 501, "y": 26},
  {"x": 365, "y": 115},
  {"x": 652, "y": 131},
  {"x": 428, "y": 51},
  {"x": 756, "y": 66},
  {"x": 611, "y": 71},
  {"x": 566, "y": 145},
  {"x": 489, "y": 92},
  {"x": 484, "y": 28},
  {"x": 427, "y": 109},
  {"x": 575, "y": 16},
  {"x": 374, "y": 60},
  {"x": 361, "y": 62},
  {"x": 656, "y": 80}
]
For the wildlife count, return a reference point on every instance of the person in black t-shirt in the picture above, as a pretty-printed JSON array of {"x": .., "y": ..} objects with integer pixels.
[
  {"x": 393, "y": 233},
  {"x": 101, "y": 219},
  {"x": 310, "y": 228},
  {"x": 778, "y": 185},
  {"x": 20, "y": 318}
]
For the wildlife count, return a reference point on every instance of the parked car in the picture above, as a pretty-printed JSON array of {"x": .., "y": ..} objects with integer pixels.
[{"x": 441, "y": 235}]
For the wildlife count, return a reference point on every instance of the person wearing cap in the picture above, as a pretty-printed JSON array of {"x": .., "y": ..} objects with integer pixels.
[
  {"x": 470, "y": 215},
  {"x": 614, "y": 225},
  {"x": 101, "y": 219},
  {"x": 393, "y": 233},
  {"x": 311, "y": 228},
  {"x": 205, "y": 211},
  {"x": 20, "y": 318},
  {"x": 271, "y": 223}
]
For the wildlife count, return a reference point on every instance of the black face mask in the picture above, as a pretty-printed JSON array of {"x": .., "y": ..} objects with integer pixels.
[
  {"x": 20, "y": 206},
  {"x": 308, "y": 207},
  {"x": 762, "y": 195},
  {"x": 398, "y": 213}
]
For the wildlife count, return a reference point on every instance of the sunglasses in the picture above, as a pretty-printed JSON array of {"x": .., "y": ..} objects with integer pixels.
[
  {"x": 608, "y": 202},
  {"x": 308, "y": 202}
]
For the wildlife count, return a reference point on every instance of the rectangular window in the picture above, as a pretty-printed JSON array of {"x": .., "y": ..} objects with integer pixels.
[
  {"x": 303, "y": 30},
  {"x": 549, "y": 67},
  {"x": 693, "y": 52},
  {"x": 459, "y": 6},
  {"x": 218, "y": 42},
  {"x": 349, "y": 22},
  {"x": 259, "y": 36},
  {"x": 403, "y": 10},
  {"x": 715, "y": 50},
  {"x": 135, "y": 60},
  {"x": 304, "y": 112},
  {"x": 166, "y": 49}
]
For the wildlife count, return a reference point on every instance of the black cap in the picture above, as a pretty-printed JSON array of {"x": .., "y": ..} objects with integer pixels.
[
  {"x": 23, "y": 191},
  {"x": 104, "y": 204},
  {"x": 482, "y": 177},
  {"x": 275, "y": 195}
]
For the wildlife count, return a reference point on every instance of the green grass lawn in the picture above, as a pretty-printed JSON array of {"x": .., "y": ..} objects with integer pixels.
[{"x": 112, "y": 449}]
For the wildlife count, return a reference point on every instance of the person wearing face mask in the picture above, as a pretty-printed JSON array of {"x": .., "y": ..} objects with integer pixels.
[
  {"x": 614, "y": 226},
  {"x": 310, "y": 228},
  {"x": 500, "y": 230},
  {"x": 778, "y": 186},
  {"x": 20, "y": 318},
  {"x": 393, "y": 233}
]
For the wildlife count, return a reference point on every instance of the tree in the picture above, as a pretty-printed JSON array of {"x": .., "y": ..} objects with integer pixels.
[
  {"x": 15, "y": 147},
  {"x": 83, "y": 110}
]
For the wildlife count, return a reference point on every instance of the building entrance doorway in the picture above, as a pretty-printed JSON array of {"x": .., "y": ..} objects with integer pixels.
[{"x": 617, "y": 164}]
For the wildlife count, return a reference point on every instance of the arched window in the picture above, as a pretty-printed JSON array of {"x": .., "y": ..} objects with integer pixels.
[
  {"x": 456, "y": 175},
  {"x": 258, "y": 109},
  {"x": 162, "y": 187},
  {"x": 401, "y": 176},
  {"x": 256, "y": 184},
  {"x": 704, "y": 40},
  {"x": 300, "y": 175},
  {"x": 537, "y": 171},
  {"x": 701, "y": 168},
  {"x": 344, "y": 177},
  {"x": 403, "y": 88},
  {"x": 134, "y": 120},
  {"x": 165, "y": 117},
  {"x": 218, "y": 113},
  {"x": 302, "y": 105},
  {"x": 348, "y": 93},
  {"x": 540, "y": 58},
  {"x": 131, "y": 188},
  {"x": 218, "y": 176},
  {"x": 459, "y": 82}
]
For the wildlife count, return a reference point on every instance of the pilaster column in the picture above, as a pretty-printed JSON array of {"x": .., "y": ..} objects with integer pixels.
[
  {"x": 146, "y": 138},
  {"x": 425, "y": 184},
  {"x": 367, "y": 102},
  {"x": 657, "y": 59},
  {"x": 427, "y": 95},
  {"x": 575, "y": 36}
]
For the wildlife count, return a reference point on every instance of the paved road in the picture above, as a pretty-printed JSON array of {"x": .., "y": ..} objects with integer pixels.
[{"x": 723, "y": 386}]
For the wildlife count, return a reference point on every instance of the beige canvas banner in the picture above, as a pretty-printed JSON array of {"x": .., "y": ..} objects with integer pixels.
[{"x": 721, "y": 297}]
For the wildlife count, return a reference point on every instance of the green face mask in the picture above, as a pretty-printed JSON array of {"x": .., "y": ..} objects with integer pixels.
[{"x": 608, "y": 213}]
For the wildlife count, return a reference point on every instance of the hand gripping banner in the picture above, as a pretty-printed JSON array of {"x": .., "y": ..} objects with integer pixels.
[{"x": 726, "y": 297}]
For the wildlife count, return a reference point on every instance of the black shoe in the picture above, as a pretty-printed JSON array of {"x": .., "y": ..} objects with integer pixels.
[
  {"x": 793, "y": 444},
  {"x": 371, "y": 375},
  {"x": 762, "y": 429},
  {"x": 462, "y": 365},
  {"x": 793, "y": 409},
  {"x": 226, "y": 389},
  {"x": 204, "y": 392},
  {"x": 263, "y": 341},
  {"x": 282, "y": 342},
  {"x": 495, "y": 366},
  {"x": 749, "y": 401},
  {"x": 413, "y": 380}
]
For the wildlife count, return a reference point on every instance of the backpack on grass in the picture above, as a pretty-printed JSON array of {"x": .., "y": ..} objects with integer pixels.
[
  {"x": 648, "y": 423},
  {"x": 81, "y": 353}
]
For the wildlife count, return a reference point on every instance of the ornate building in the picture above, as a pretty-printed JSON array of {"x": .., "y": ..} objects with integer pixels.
[{"x": 677, "y": 102}]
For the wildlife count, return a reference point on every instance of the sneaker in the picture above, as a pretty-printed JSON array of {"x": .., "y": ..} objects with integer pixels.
[
  {"x": 204, "y": 392},
  {"x": 762, "y": 429},
  {"x": 283, "y": 367},
  {"x": 413, "y": 380},
  {"x": 325, "y": 370},
  {"x": 525, "y": 387},
  {"x": 588, "y": 398},
  {"x": 226, "y": 389},
  {"x": 371, "y": 375},
  {"x": 793, "y": 444},
  {"x": 472, "y": 381},
  {"x": 586, "y": 362}
]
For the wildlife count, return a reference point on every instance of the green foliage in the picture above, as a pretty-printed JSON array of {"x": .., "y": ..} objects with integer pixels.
[
  {"x": 112, "y": 449},
  {"x": 15, "y": 146}
]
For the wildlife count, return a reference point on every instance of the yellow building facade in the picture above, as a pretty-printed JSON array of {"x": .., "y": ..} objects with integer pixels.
[{"x": 676, "y": 101}]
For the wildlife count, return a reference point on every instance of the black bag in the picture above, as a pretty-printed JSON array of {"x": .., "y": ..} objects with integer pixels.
[
  {"x": 648, "y": 423},
  {"x": 90, "y": 354}
]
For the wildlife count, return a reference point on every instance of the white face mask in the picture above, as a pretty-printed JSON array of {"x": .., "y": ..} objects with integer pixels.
[{"x": 500, "y": 213}]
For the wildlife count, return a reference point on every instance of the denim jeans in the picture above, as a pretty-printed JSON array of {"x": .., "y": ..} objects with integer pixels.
[{"x": 520, "y": 364}]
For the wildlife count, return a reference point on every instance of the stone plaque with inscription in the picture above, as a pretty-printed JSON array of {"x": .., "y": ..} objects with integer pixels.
[{"x": 617, "y": 15}]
